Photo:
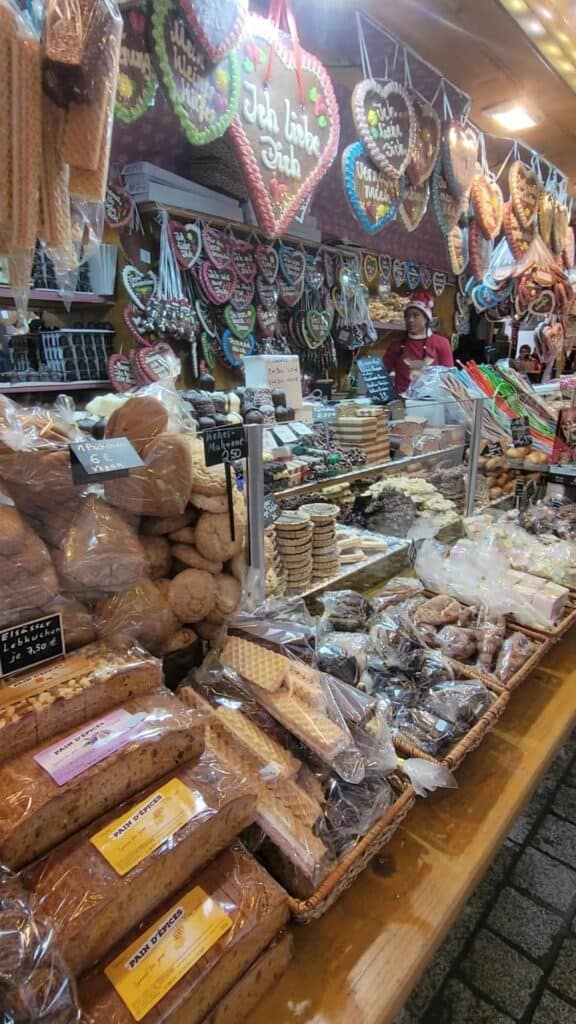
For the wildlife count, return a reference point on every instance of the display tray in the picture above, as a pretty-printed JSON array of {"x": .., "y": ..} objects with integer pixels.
[
  {"x": 467, "y": 743},
  {"x": 473, "y": 672},
  {"x": 352, "y": 863},
  {"x": 373, "y": 569}
]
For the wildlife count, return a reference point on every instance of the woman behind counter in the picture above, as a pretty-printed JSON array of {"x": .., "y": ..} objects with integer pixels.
[{"x": 419, "y": 345}]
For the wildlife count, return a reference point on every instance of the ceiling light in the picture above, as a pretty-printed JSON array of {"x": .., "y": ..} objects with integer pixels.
[
  {"x": 550, "y": 49},
  {"x": 512, "y": 116},
  {"x": 533, "y": 27},
  {"x": 516, "y": 6},
  {"x": 565, "y": 66}
]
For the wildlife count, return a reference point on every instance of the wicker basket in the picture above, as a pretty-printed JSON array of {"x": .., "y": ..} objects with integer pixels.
[
  {"x": 554, "y": 632},
  {"x": 467, "y": 743},
  {"x": 350, "y": 866},
  {"x": 473, "y": 672}
]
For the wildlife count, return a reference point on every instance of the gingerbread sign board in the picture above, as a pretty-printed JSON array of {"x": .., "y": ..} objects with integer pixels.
[
  {"x": 374, "y": 197},
  {"x": 285, "y": 138},
  {"x": 137, "y": 81},
  {"x": 204, "y": 96}
]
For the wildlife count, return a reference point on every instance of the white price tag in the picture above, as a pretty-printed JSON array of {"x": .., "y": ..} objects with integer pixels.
[
  {"x": 301, "y": 429},
  {"x": 283, "y": 432}
]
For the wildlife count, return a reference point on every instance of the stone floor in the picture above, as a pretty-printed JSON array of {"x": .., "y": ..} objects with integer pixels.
[{"x": 511, "y": 956}]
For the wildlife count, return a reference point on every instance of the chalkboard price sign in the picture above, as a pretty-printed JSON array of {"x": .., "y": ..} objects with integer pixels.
[
  {"x": 30, "y": 643},
  {"x": 377, "y": 379},
  {"x": 224, "y": 444},
  {"x": 93, "y": 461}
]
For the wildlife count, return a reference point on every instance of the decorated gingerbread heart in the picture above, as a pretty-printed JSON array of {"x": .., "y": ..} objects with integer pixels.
[
  {"x": 216, "y": 24},
  {"x": 385, "y": 267},
  {"x": 140, "y": 286},
  {"x": 118, "y": 206},
  {"x": 155, "y": 363},
  {"x": 121, "y": 373},
  {"x": 426, "y": 146},
  {"x": 425, "y": 277},
  {"x": 240, "y": 321},
  {"x": 517, "y": 236},
  {"x": 412, "y": 275},
  {"x": 267, "y": 320},
  {"x": 480, "y": 250},
  {"x": 290, "y": 292},
  {"x": 185, "y": 242},
  {"x": 204, "y": 95},
  {"x": 373, "y": 195},
  {"x": 292, "y": 264},
  {"x": 524, "y": 192},
  {"x": 217, "y": 246},
  {"x": 459, "y": 148},
  {"x": 243, "y": 294},
  {"x": 217, "y": 282},
  {"x": 370, "y": 271},
  {"x": 414, "y": 205},
  {"x": 137, "y": 81},
  {"x": 457, "y": 244},
  {"x": 234, "y": 349},
  {"x": 488, "y": 204},
  {"x": 438, "y": 282},
  {"x": 314, "y": 273},
  {"x": 134, "y": 320},
  {"x": 267, "y": 262},
  {"x": 267, "y": 292},
  {"x": 385, "y": 121},
  {"x": 399, "y": 272},
  {"x": 287, "y": 127},
  {"x": 316, "y": 327},
  {"x": 447, "y": 208},
  {"x": 243, "y": 259}
]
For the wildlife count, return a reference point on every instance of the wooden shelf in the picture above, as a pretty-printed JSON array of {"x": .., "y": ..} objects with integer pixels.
[
  {"x": 54, "y": 385},
  {"x": 392, "y": 325},
  {"x": 362, "y": 960},
  {"x": 40, "y": 296}
]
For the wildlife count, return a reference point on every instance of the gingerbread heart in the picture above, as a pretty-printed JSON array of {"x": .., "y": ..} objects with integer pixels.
[
  {"x": 518, "y": 237},
  {"x": 546, "y": 206},
  {"x": 447, "y": 209},
  {"x": 134, "y": 318},
  {"x": 121, "y": 373},
  {"x": 385, "y": 267},
  {"x": 488, "y": 204},
  {"x": 290, "y": 293},
  {"x": 267, "y": 293},
  {"x": 543, "y": 303},
  {"x": 399, "y": 272},
  {"x": 267, "y": 321},
  {"x": 438, "y": 282},
  {"x": 414, "y": 205},
  {"x": 140, "y": 286},
  {"x": 204, "y": 95},
  {"x": 243, "y": 294},
  {"x": 234, "y": 349},
  {"x": 412, "y": 275},
  {"x": 118, "y": 206},
  {"x": 185, "y": 242},
  {"x": 370, "y": 271},
  {"x": 314, "y": 273},
  {"x": 217, "y": 246},
  {"x": 384, "y": 118},
  {"x": 155, "y": 363},
  {"x": 425, "y": 277},
  {"x": 218, "y": 283},
  {"x": 240, "y": 321},
  {"x": 457, "y": 244},
  {"x": 243, "y": 259},
  {"x": 373, "y": 195},
  {"x": 524, "y": 192},
  {"x": 426, "y": 143},
  {"x": 137, "y": 81},
  {"x": 292, "y": 263},
  {"x": 480, "y": 250},
  {"x": 285, "y": 133},
  {"x": 216, "y": 26},
  {"x": 318, "y": 324},
  {"x": 459, "y": 148},
  {"x": 267, "y": 262}
]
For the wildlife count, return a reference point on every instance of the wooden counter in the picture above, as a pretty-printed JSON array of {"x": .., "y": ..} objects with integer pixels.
[{"x": 359, "y": 963}]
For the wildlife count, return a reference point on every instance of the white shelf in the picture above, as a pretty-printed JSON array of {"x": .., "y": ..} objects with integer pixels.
[{"x": 54, "y": 385}]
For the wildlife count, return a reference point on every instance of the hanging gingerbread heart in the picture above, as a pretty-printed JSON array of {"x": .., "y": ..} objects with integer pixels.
[
  {"x": 121, "y": 373},
  {"x": 412, "y": 275},
  {"x": 137, "y": 82},
  {"x": 317, "y": 326},
  {"x": 373, "y": 195},
  {"x": 185, "y": 242},
  {"x": 234, "y": 349},
  {"x": 292, "y": 263},
  {"x": 329, "y": 268},
  {"x": 267, "y": 293},
  {"x": 447, "y": 209},
  {"x": 459, "y": 148},
  {"x": 243, "y": 259},
  {"x": 457, "y": 244},
  {"x": 216, "y": 25},
  {"x": 385, "y": 267},
  {"x": 414, "y": 204},
  {"x": 267, "y": 262},
  {"x": 488, "y": 204},
  {"x": 543, "y": 303},
  {"x": 217, "y": 246},
  {"x": 559, "y": 227},
  {"x": 118, "y": 206},
  {"x": 524, "y": 192},
  {"x": 203, "y": 95},
  {"x": 134, "y": 319},
  {"x": 399, "y": 272},
  {"x": 338, "y": 300},
  {"x": 480, "y": 250},
  {"x": 287, "y": 127},
  {"x": 155, "y": 363},
  {"x": 218, "y": 283},
  {"x": 267, "y": 320},
  {"x": 370, "y": 271},
  {"x": 290, "y": 293},
  {"x": 240, "y": 321},
  {"x": 518, "y": 237},
  {"x": 140, "y": 286},
  {"x": 385, "y": 121},
  {"x": 243, "y": 294},
  {"x": 314, "y": 273},
  {"x": 546, "y": 205},
  {"x": 438, "y": 282},
  {"x": 426, "y": 145},
  {"x": 426, "y": 278}
]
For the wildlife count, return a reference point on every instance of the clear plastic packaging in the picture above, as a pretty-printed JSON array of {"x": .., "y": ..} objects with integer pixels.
[
  {"x": 444, "y": 714},
  {"x": 426, "y": 777},
  {"x": 36, "y": 985}
]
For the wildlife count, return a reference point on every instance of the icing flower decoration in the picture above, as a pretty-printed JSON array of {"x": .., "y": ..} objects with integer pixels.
[
  {"x": 221, "y": 79},
  {"x": 372, "y": 117},
  {"x": 125, "y": 87}
]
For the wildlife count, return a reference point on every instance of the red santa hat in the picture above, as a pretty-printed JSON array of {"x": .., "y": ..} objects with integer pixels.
[{"x": 424, "y": 302}]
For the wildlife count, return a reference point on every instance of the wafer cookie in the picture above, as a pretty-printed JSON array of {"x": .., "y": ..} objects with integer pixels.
[
  {"x": 315, "y": 730},
  {"x": 8, "y": 31},
  {"x": 264, "y": 668},
  {"x": 265, "y": 747}
]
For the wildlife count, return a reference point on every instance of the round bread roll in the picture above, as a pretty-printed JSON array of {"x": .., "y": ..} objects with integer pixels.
[
  {"x": 162, "y": 486},
  {"x": 537, "y": 459},
  {"x": 14, "y": 531},
  {"x": 158, "y": 555},
  {"x": 213, "y": 538},
  {"x": 141, "y": 613},
  {"x": 139, "y": 419},
  {"x": 191, "y": 558},
  {"x": 192, "y": 595}
]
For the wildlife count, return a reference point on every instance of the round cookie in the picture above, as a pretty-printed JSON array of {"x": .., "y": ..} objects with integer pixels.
[
  {"x": 158, "y": 555},
  {"x": 188, "y": 555},
  {"x": 139, "y": 419},
  {"x": 156, "y": 527},
  {"x": 216, "y": 503},
  {"x": 180, "y": 640},
  {"x": 192, "y": 595},
  {"x": 213, "y": 538},
  {"x": 209, "y": 481},
  {"x": 228, "y": 594},
  {"x": 183, "y": 536}
]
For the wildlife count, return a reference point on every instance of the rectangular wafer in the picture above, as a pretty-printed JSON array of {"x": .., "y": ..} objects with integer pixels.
[{"x": 259, "y": 666}]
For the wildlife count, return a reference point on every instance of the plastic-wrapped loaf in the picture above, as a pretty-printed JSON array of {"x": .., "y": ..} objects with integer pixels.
[
  {"x": 192, "y": 950},
  {"x": 54, "y": 790},
  {"x": 101, "y": 883}
]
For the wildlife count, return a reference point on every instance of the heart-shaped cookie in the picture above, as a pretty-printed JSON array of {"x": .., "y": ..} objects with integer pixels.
[
  {"x": 459, "y": 149},
  {"x": 216, "y": 26},
  {"x": 267, "y": 262},
  {"x": 217, "y": 246},
  {"x": 292, "y": 263},
  {"x": 285, "y": 136},
  {"x": 314, "y": 273},
  {"x": 185, "y": 242},
  {"x": 480, "y": 250},
  {"x": 243, "y": 294},
  {"x": 414, "y": 204},
  {"x": 121, "y": 373},
  {"x": 524, "y": 192},
  {"x": 447, "y": 209},
  {"x": 438, "y": 282},
  {"x": 425, "y": 277},
  {"x": 155, "y": 363},
  {"x": 118, "y": 206},
  {"x": 384, "y": 118},
  {"x": 399, "y": 272},
  {"x": 518, "y": 237},
  {"x": 203, "y": 314},
  {"x": 290, "y": 293},
  {"x": 134, "y": 320},
  {"x": 234, "y": 349},
  {"x": 488, "y": 204},
  {"x": 370, "y": 271},
  {"x": 137, "y": 81},
  {"x": 543, "y": 303},
  {"x": 243, "y": 259},
  {"x": 559, "y": 227},
  {"x": 412, "y": 275},
  {"x": 457, "y": 244},
  {"x": 267, "y": 321},
  {"x": 373, "y": 195},
  {"x": 318, "y": 323},
  {"x": 217, "y": 283},
  {"x": 338, "y": 300},
  {"x": 546, "y": 205},
  {"x": 426, "y": 145},
  {"x": 385, "y": 267},
  {"x": 204, "y": 95},
  {"x": 267, "y": 293},
  {"x": 240, "y": 321},
  {"x": 140, "y": 286}
]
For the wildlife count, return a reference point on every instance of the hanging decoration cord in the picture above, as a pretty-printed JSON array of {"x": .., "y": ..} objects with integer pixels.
[{"x": 282, "y": 16}]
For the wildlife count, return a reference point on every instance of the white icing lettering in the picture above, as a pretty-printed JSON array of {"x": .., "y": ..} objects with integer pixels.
[
  {"x": 274, "y": 158},
  {"x": 135, "y": 59},
  {"x": 298, "y": 132},
  {"x": 257, "y": 112}
]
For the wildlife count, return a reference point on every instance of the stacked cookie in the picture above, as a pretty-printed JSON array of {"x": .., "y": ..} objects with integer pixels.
[
  {"x": 294, "y": 542},
  {"x": 325, "y": 552}
]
